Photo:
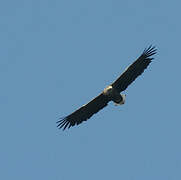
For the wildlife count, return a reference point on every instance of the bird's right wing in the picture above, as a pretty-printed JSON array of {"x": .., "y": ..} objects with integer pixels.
[
  {"x": 84, "y": 113},
  {"x": 134, "y": 70}
]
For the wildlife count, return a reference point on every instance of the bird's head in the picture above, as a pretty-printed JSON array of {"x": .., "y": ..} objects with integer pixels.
[{"x": 108, "y": 90}]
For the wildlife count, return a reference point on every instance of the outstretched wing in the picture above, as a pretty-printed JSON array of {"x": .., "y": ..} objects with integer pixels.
[
  {"x": 134, "y": 70},
  {"x": 84, "y": 113}
]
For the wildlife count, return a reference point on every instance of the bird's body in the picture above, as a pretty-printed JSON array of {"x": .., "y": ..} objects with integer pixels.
[
  {"x": 111, "y": 92},
  {"x": 114, "y": 95}
]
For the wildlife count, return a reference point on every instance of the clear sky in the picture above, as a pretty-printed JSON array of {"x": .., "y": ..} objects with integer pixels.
[{"x": 56, "y": 56}]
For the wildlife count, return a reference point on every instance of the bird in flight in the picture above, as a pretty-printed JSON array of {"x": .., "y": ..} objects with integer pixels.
[{"x": 111, "y": 92}]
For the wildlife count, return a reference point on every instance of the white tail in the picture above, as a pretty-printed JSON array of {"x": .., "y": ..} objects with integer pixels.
[{"x": 122, "y": 102}]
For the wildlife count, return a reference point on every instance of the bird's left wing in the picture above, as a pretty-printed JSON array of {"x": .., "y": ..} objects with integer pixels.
[
  {"x": 84, "y": 113},
  {"x": 134, "y": 70}
]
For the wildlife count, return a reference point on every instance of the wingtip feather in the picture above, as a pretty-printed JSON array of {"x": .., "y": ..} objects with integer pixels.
[
  {"x": 63, "y": 123},
  {"x": 150, "y": 51}
]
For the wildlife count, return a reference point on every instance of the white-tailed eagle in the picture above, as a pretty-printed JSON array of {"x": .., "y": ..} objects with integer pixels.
[{"x": 110, "y": 93}]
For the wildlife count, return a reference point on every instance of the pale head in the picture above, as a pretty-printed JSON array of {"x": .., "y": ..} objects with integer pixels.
[{"x": 108, "y": 90}]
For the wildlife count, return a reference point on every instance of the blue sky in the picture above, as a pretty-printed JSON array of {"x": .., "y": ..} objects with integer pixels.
[{"x": 56, "y": 56}]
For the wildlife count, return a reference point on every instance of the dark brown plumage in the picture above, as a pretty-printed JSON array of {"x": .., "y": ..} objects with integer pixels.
[
  {"x": 85, "y": 112},
  {"x": 134, "y": 70},
  {"x": 111, "y": 93}
]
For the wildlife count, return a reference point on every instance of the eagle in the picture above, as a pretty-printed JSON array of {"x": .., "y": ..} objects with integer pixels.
[{"x": 111, "y": 92}]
